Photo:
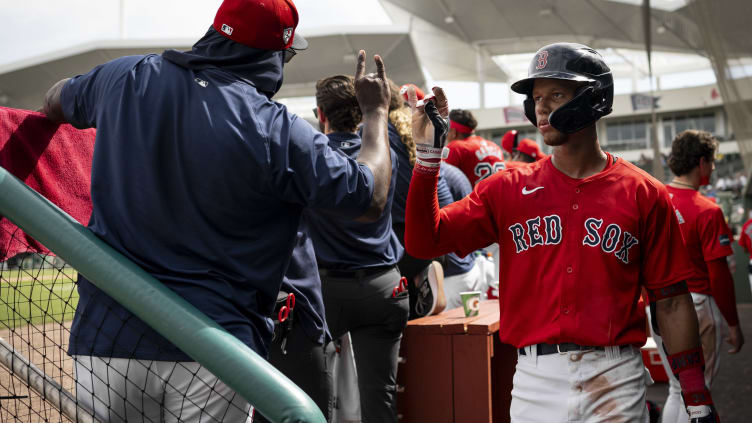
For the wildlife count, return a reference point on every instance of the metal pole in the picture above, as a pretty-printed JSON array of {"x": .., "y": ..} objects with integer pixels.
[
  {"x": 481, "y": 76},
  {"x": 47, "y": 387}
]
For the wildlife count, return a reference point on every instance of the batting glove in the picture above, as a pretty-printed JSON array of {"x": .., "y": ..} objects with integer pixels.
[
  {"x": 702, "y": 414},
  {"x": 430, "y": 129}
]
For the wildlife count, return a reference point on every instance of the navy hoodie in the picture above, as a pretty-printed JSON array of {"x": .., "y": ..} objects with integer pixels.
[{"x": 200, "y": 178}]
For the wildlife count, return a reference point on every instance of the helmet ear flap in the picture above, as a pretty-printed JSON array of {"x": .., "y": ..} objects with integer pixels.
[
  {"x": 575, "y": 114},
  {"x": 530, "y": 110}
]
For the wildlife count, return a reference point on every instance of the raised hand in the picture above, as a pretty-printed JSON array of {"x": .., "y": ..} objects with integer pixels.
[
  {"x": 371, "y": 90},
  {"x": 735, "y": 339},
  {"x": 424, "y": 131},
  {"x": 429, "y": 129}
]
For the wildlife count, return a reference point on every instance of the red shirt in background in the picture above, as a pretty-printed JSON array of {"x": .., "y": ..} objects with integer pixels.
[
  {"x": 477, "y": 157},
  {"x": 745, "y": 239},
  {"x": 706, "y": 235}
]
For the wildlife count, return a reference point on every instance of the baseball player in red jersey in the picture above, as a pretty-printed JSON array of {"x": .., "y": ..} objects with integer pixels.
[
  {"x": 581, "y": 233},
  {"x": 708, "y": 242},
  {"x": 478, "y": 158}
]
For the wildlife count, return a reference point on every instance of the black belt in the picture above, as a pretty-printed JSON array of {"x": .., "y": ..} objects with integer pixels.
[
  {"x": 355, "y": 274},
  {"x": 545, "y": 349}
]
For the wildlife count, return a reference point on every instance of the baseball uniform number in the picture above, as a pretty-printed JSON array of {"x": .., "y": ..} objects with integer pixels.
[{"x": 483, "y": 170}]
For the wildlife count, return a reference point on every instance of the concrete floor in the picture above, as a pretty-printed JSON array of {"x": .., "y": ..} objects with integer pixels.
[{"x": 732, "y": 390}]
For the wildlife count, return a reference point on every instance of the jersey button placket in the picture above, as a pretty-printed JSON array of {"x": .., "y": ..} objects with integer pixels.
[
  {"x": 576, "y": 206},
  {"x": 569, "y": 288}
]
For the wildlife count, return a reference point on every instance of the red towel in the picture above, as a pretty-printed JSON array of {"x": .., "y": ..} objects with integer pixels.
[{"x": 54, "y": 160}]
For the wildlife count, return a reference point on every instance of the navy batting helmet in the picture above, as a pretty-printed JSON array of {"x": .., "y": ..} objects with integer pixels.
[{"x": 571, "y": 62}]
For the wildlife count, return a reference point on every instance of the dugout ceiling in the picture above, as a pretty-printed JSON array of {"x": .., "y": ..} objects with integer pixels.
[
  {"x": 330, "y": 54},
  {"x": 448, "y": 39},
  {"x": 516, "y": 26}
]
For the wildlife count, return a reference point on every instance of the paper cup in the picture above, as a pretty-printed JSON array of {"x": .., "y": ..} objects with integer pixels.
[{"x": 470, "y": 302}]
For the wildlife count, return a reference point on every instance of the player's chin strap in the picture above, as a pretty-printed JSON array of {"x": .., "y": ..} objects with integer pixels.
[
  {"x": 688, "y": 366},
  {"x": 428, "y": 158}
]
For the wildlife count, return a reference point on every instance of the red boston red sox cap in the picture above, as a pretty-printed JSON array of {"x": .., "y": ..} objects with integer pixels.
[
  {"x": 418, "y": 92},
  {"x": 263, "y": 24},
  {"x": 509, "y": 141},
  {"x": 530, "y": 148}
]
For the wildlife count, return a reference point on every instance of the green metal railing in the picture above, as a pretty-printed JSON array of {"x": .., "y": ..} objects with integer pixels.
[{"x": 268, "y": 390}]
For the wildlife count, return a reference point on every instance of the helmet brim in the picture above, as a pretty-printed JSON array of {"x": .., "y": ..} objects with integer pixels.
[{"x": 525, "y": 86}]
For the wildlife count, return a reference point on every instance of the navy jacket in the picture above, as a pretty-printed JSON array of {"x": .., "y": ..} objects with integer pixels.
[
  {"x": 345, "y": 244},
  {"x": 200, "y": 179},
  {"x": 302, "y": 279}
]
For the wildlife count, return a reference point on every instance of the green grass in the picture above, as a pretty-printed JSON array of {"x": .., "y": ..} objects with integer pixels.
[{"x": 37, "y": 296}]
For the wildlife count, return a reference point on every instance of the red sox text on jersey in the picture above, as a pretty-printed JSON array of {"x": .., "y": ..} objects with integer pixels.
[{"x": 547, "y": 230}]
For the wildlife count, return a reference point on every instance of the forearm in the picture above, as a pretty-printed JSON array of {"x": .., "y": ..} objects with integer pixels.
[
  {"x": 423, "y": 218},
  {"x": 722, "y": 287},
  {"x": 374, "y": 153},
  {"x": 52, "y": 106},
  {"x": 677, "y": 322}
]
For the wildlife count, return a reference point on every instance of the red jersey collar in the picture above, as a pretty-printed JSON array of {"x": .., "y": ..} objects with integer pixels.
[{"x": 612, "y": 163}]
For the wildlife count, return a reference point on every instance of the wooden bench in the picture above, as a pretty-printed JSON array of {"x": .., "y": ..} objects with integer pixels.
[{"x": 454, "y": 368}]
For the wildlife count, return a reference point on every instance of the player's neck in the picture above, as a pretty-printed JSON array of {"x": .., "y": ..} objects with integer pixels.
[
  {"x": 688, "y": 181},
  {"x": 581, "y": 156}
]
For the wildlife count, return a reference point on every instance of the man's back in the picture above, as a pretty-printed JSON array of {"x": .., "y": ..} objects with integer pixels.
[
  {"x": 476, "y": 157},
  {"x": 350, "y": 244},
  {"x": 705, "y": 233},
  {"x": 192, "y": 170}
]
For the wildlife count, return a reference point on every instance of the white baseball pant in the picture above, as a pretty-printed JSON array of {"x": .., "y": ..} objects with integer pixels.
[
  {"x": 594, "y": 386},
  {"x": 121, "y": 389}
]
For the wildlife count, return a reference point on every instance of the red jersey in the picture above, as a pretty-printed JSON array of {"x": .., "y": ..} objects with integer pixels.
[
  {"x": 706, "y": 235},
  {"x": 575, "y": 253},
  {"x": 745, "y": 239},
  {"x": 478, "y": 158},
  {"x": 511, "y": 165}
]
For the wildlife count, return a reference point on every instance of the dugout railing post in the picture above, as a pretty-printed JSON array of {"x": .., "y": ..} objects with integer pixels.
[{"x": 268, "y": 390}]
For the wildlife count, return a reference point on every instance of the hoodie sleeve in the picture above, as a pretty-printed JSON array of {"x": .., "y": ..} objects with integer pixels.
[
  {"x": 83, "y": 95},
  {"x": 306, "y": 171}
]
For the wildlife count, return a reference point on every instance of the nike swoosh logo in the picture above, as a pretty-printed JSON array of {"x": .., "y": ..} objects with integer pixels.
[{"x": 525, "y": 191}]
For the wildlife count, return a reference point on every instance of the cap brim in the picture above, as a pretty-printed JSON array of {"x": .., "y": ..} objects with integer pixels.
[
  {"x": 299, "y": 42},
  {"x": 524, "y": 86}
]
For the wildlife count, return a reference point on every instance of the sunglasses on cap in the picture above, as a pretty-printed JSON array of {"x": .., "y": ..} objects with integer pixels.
[{"x": 289, "y": 54}]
